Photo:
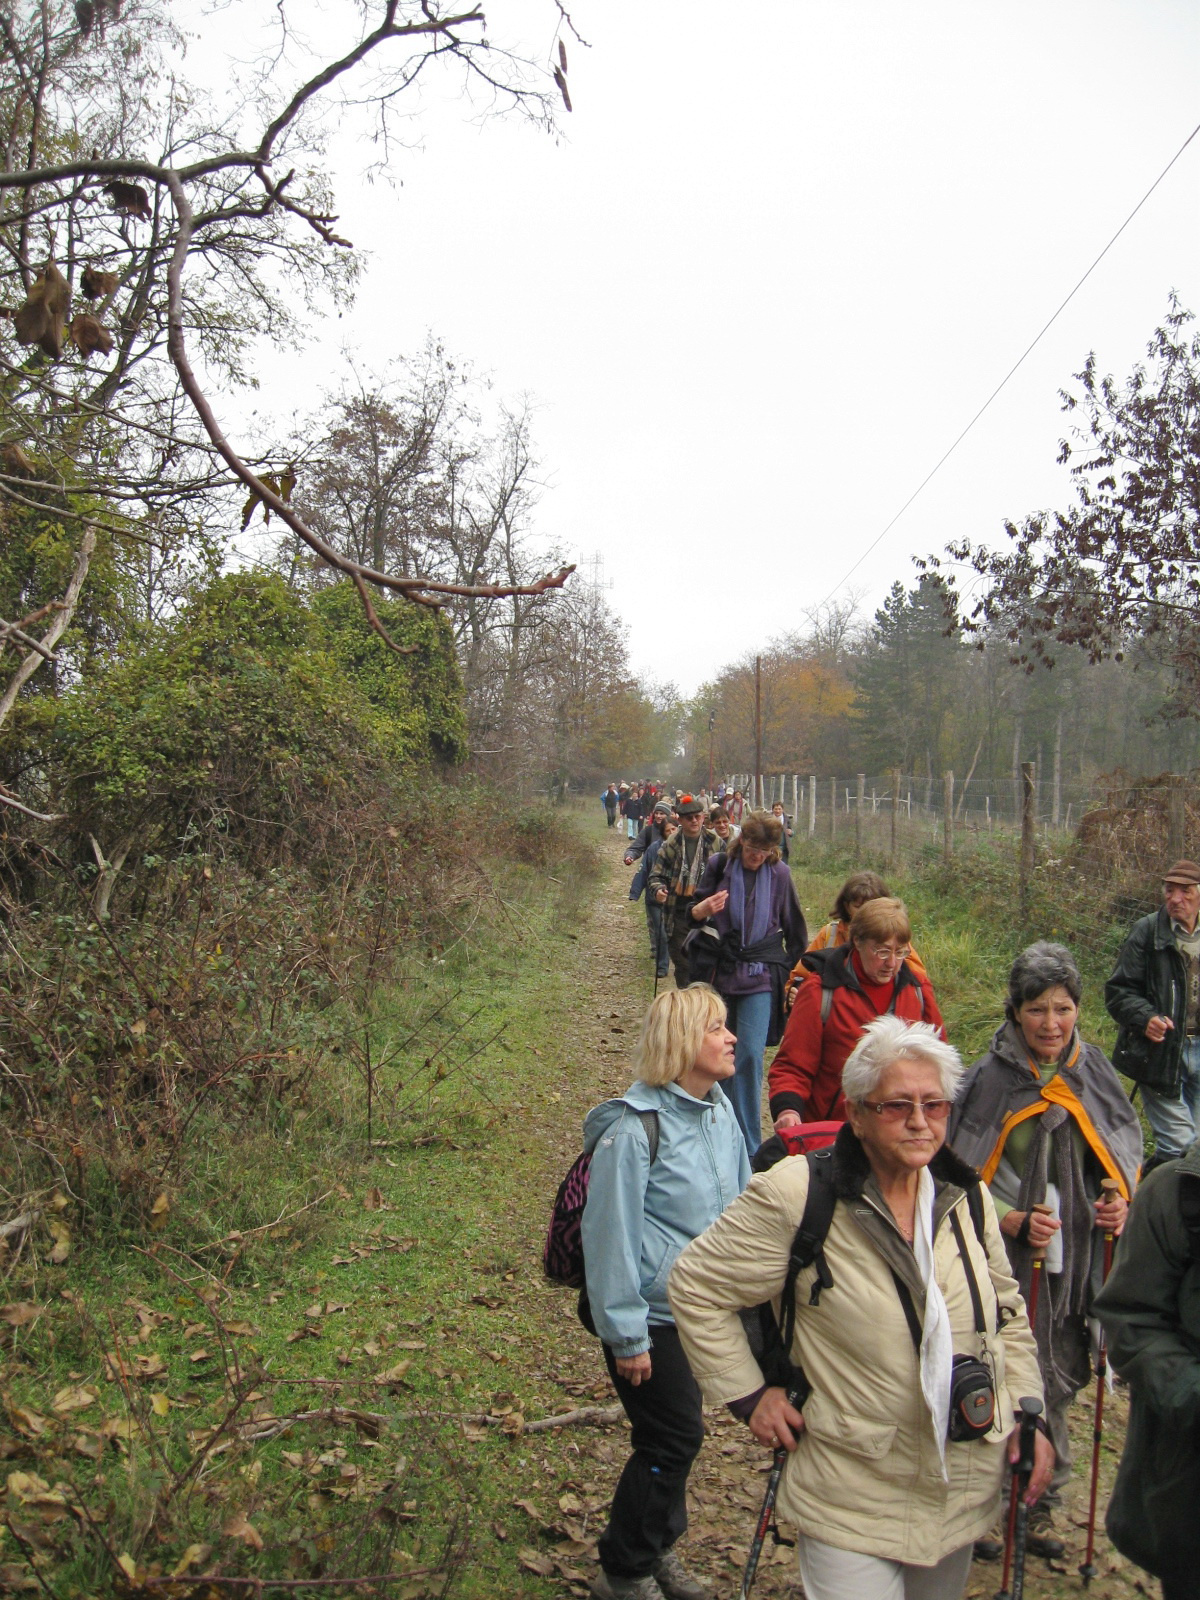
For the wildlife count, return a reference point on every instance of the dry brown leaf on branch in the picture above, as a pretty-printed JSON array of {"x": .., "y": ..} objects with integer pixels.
[
  {"x": 89, "y": 335},
  {"x": 562, "y": 56},
  {"x": 280, "y": 483},
  {"x": 16, "y": 460},
  {"x": 96, "y": 284},
  {"x": 561, "y": 81},
  {"x": 129, "y": 199},
  {"x": 40, "y": 319}
]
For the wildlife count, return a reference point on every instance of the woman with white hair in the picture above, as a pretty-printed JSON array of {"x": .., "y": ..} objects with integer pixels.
[
  {"x": 887, "y": 1492},
  {"x": 666, "y": 1159}
]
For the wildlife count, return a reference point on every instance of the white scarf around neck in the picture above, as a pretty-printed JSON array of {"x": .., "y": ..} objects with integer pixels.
[{"x": 937, "y": 1345}]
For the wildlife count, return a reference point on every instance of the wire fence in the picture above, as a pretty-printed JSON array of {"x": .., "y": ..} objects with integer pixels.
[{"x": 1051, "y": 859}]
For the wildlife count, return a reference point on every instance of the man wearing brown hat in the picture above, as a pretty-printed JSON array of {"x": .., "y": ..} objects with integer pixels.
[
  {"x": 1154, "y": 997},
  {"x": 675, "y": 878}
]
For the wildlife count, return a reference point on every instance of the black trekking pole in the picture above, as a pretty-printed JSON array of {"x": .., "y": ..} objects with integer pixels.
[
  {"x": 1018, "y": 1511},
  {"x": 767, "y": 1515}
]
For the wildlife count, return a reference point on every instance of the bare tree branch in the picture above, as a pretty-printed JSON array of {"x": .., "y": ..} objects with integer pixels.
[{"x": 59, "y": 626}]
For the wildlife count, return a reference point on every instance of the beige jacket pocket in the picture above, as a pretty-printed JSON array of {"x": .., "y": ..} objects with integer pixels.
[{"x": 831, "y": 1425}]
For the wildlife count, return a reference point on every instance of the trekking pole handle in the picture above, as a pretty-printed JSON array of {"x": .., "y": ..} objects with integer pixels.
[
  {"x": 1039, "y": 1250},
  {"x": 1031, "y": 1409}
]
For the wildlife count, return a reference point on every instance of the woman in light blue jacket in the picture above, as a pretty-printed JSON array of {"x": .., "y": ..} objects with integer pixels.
[{"x": 667, "y": 1158}]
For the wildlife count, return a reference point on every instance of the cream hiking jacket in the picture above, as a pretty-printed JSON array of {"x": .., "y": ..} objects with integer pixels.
[{"x": 866, "y": 1475}]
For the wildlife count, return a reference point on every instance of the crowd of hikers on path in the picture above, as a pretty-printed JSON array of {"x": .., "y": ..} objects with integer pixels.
[{"x": 904, "y": 1280}]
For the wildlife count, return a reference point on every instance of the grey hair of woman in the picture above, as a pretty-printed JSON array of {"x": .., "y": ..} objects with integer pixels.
[
  {"x": 890, "y": 1039},
  {"x": 1040, "y": 967}
]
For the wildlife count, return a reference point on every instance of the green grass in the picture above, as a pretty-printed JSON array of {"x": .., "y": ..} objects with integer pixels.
[
  {"x": 405, "y": 1268},
  {"x": 438, "y": 1269}
]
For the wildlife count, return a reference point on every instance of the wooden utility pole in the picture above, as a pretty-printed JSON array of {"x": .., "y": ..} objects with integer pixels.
[
  {"x": 712, "y": 718},
  {"x": 948, "y": 816},
  {"x": 862, "y": 795},
  {"x": 895, "y": 805},
  {"x": 758, "y": 725},
  {"x": 833, "y": 808}
]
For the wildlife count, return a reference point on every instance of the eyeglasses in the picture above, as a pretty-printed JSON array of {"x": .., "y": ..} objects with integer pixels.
[{"x": 902, "y": 1110}]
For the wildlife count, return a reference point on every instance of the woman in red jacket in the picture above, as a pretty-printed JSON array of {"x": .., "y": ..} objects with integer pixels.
[{"x": 845, "y": 987}]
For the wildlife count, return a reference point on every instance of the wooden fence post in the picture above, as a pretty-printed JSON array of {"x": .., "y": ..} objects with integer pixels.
[
  {"x": 1028, "y": 812},
  {"x": 832, "y": 809},
  {"x": 895, "y": 807},
  {"x": 812, "y": 804},
  {"x": 1176, "y": 845}
]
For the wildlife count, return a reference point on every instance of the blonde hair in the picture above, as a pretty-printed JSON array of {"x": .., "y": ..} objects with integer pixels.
[{"x": 672, "y": 1032}]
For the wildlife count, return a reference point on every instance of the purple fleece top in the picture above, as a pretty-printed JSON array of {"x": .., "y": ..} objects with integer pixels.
[{"x": 785, "y": 914}]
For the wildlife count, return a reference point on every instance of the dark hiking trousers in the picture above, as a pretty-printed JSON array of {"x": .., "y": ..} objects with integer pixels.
[
  {"x": 658, "y": 938},
  {"x": 649, "y": 1508}
]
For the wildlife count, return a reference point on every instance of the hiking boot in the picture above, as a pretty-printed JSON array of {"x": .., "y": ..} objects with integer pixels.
[
  {"x": 676, "y": 1582},
  {"x": 988, "y": 1549},
  {"x": 607, "y": 1586},
  {"x": 1041, "y": 1539}
]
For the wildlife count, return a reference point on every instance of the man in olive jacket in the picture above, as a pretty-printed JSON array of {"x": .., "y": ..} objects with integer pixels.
[
  {"x": 1154, "y": 997},
  {"x": 1150, "y": 1308}
]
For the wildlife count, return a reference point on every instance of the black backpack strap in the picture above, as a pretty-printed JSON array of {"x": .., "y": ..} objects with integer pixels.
[
  {"x": 1189, "y": 1210},
  {"x": 972, "y": 1282},
  {"x": 910, "y": 1311},
  {"x": 808, "y": 1242},
  {"x": 807, "y": 1249},
  {"x": 975, "y": 1207}
]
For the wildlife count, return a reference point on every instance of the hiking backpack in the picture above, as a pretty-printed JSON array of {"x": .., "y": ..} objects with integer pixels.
[
  {"x": 562, "y": 1254},
  {"x": 771, "y": 1340}
]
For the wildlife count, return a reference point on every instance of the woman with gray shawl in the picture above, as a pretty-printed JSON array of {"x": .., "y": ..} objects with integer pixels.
[{"x": 1044, "y": 1118}]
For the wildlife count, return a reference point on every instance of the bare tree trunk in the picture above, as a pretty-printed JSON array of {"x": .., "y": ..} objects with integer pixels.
[
  {"x": 110, "y": 871},
  {"x": 59, "y": 626},
  {"x": 967, "y": 780}
]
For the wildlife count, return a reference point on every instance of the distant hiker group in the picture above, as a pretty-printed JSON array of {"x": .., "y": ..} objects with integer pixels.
[{"x": 927, "y": 1247}]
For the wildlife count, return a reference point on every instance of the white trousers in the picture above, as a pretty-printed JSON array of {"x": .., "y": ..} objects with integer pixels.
[{"x": 832, "y": 1574}]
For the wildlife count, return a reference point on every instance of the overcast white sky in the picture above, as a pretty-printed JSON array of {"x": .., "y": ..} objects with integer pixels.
[{"x": 781, "y": 255}]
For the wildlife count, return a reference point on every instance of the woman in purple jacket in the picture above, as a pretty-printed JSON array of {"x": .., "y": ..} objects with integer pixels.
[{"x": 748, "y": 897}]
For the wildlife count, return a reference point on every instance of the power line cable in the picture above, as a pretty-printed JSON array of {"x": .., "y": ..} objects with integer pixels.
[{"x": 936, "y": 468}]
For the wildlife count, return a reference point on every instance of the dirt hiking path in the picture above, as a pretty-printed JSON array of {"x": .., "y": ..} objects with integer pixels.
[{"x": 613, "y": 983}]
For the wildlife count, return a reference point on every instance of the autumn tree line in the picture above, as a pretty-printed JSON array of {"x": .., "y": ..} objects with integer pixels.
[{"x": 1074, "y": 634}]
